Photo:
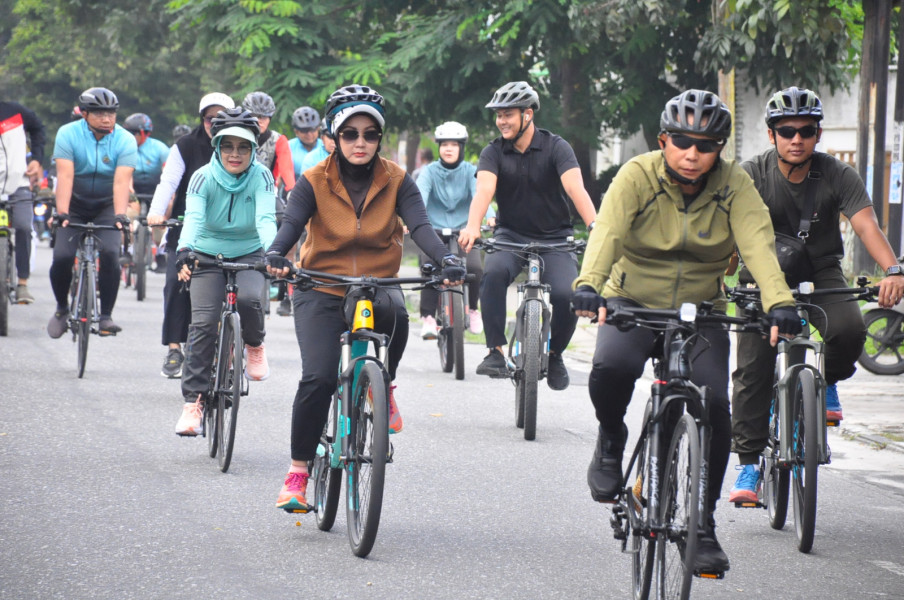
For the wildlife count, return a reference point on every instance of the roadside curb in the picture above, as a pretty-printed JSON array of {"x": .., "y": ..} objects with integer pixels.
[{"x": 874, "y": 440}]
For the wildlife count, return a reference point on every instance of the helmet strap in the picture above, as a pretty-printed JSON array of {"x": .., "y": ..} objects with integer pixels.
[
  {"x": 794, "y": 166},
  {"x": 522, "y": 129}
]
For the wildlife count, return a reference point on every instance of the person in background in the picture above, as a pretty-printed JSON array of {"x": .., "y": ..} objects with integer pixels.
[
  {"x": 327, "y": 145},
  {"x": 426, "y": 157},
  {"x": 152, "y": 154},
  {"x": 179, "y": 131},
  {"x": 21, "y": 129},
  {"x": 306, "y": 123}
]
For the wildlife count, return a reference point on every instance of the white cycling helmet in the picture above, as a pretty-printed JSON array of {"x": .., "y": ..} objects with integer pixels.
[
  {"x": 215, "y": 99},
  {"x": 451, "y": 131}
]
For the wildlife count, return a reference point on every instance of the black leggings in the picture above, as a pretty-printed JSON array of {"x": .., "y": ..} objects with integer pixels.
[
  {"x": 430, "y": 296},
  {"x": 619, "y": 361},
  {"x": 319, "y": 321}
]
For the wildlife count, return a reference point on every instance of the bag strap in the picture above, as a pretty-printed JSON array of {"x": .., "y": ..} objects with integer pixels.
[{"x": 813, "y": 177}]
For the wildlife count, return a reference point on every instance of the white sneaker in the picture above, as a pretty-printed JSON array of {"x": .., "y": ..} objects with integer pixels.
[
  {"x": 190, "y": 421},
  {"x": 429, "y": 330},
  {"x": 475, "y": 322},
  {"x": 256, "y": 366}
]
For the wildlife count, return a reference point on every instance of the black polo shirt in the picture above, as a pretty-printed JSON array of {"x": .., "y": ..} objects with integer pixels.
[{"x": 529, "y": 193}]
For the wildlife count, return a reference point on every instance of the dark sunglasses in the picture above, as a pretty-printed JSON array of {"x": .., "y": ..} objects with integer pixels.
[
  {"x": 370, "y": 136},
  {"x": 306, "y": 129},
  {"x": 788, "y": 132},
  {"x": 684, "y": 142}
]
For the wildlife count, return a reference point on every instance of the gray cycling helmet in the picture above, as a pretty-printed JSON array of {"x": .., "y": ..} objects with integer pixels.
[
  {"x": 260, "y": 104},
  {"x": 97, "y": 98},
  {"x": 305, "y": 117},
  {"x": 138, "y": 122},
  {"x": 793, "y": 102},
  {"x": 516, "y": 94},
  {"x": 180, "y": 130},
  {"x": 710, "y": 115}
]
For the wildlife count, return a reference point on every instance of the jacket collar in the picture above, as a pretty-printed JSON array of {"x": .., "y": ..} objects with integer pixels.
[{"x": 381, "y": 179}]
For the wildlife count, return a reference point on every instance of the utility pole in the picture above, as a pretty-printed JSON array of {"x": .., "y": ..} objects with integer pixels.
[{"x": 895, "y": 192}]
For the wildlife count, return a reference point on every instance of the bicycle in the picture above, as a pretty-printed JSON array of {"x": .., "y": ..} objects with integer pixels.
[
  {"x": 227, "y": 385},
  {"x": 883, "y": 352},
  {"x": 797, "y": 443},
  {"x": 661, "y": 511},
  {"x": 528, "y": 352},
  {"x": 135, "y": 266},
  {"x": 452, "y": 315},
  {"x": 84, "y": 310},
  {"x": 7, "y": 265},
  {"x": 355, "y": 439}
]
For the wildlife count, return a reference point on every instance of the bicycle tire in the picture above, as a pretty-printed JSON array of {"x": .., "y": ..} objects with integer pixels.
[
  {"x": 806, "y": 460},
  {"x": 5, "y": 279},
  {"x": 142, "y": 251},
  {"x": 883, "y": 352},
  {"x": 365, "y": 469},
  {"x": 210, "y": 427},
  {"x": 775, "y": 478},
  {"x": 526, "y": 381},
  {"x": 458, "y": 335},
  {"x": 680, "y": 512},
  {"x": 444, "y": 337},
  {"x": 327, "y": 481},
  {"x": 229, "y": 388},
  {"x": 643, "y": 548},
  {"x": 85, "y": 318}
]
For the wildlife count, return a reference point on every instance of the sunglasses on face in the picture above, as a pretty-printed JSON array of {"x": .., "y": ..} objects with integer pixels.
[
  {"x": 370, "y": 136},
  {"x": 242, "y": 149},
  {"x": 788, "y": 132},
  {"x": 306, "y": 129},
  {"x": 684, "y": 142}
]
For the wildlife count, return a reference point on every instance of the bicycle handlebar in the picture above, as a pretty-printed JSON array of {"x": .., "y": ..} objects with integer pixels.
[
  {"x": 490, "y": 245},
  {"x": 805, "y": 291},
  {"x": 307, "y": 279},
  {"x": 688, "y": 316},
  {"x": 167, "y": 223}
]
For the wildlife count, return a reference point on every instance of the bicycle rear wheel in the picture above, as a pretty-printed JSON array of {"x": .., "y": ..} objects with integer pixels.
[
  {"x": 366, "y": 466},
  {"x": 642, "y": 548},
  {"x": 210, "y": 426},
  {"x": 806, "y": 460},
  {"x": 229, "y": 390},
  {"x": 142, "y": 252},
  {"x": 680, "y": 510},
  {"x": 526, "y": 380},
  {"x": 86, "y": 297},
  {"x": 775, "y": 478},
  {"x": 5, "y": 277},
  {"x": 458, "y": 335},
  {"x": 327, "y": 481}
]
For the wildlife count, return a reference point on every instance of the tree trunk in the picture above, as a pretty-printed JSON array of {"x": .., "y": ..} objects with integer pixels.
[{"x": 576, "y": 122}]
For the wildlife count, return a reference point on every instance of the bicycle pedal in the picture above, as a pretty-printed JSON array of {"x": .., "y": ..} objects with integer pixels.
[
  {"x": 710, "y": 574},
  {"x": 748, "y": 504},
  {"x": 833, "y": 423},
  {"x": 301, "y": 511},
  {"x": 103, "y": 333}
]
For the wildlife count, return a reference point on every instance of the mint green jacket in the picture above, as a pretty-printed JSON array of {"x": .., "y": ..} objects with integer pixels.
[{"x": 648, "y": 247}]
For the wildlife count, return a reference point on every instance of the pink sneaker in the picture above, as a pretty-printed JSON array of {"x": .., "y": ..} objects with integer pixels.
[
  {"x": 395, "y": 417},
  {"x": 292, "y": 495},
  {"x": 190, "y": 422},
  {"x": 475, "y": 322},
  {"x": 256, "y": 366}
]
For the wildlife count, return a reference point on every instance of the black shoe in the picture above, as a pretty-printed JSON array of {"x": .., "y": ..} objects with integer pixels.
[
  {"x": 285, "y": 308},
  {"x": 556, "y": 373},
  {"x": 710, "y": 556},
  {"x": 107, "y": 326},
  {"x": 172, "y": 366},
  {"x": 493, "y": 365},
  {"x": 604, "y": 476}
]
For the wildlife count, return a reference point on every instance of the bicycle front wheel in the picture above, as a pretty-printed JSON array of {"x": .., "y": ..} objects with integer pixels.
[
  {"x": 85, "y": 318},
  {"x": 229, "y": 390},
  {"x": 444, "y": 338},
  {"x": 142, "y": 252},
  {"x": 526, "y": 380},
  {"x": 806, "y": 460},
  {"x": 775, "y": 478},
  {"x": 365, "y": 468},
  {"x": 458, "y": 335},
  {"x": 680, "y": 512},
  {"x": 883, "y": 352},
  {"x": 5, "y": 277},
  {"x": 327, "y": 480},
  {"x": 642, "y": 546}
]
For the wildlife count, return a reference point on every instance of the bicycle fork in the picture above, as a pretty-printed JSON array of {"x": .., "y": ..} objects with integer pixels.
[{"x": 793, "y": 357}]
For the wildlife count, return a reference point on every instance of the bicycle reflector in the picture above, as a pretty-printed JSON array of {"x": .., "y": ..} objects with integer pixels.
[
  {"x": 364, "y": 315},
  {"x": 688, "y": 312}
]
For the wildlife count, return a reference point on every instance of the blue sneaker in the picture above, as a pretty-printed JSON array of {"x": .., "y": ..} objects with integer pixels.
[
  {"x": 746, "y": 486},
  {"x": 833, "y": 405}
]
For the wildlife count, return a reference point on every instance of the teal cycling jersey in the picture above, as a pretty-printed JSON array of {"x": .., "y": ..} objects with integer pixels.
[
  {"x": 315, "y": 156},
  {"x": 447, "y": 193},
  {"x": 151, "y": 156},
  {"x": 299, "y": 152},
  {"x": 95, "y": 161},
  {"x": 233, "y": 224}
]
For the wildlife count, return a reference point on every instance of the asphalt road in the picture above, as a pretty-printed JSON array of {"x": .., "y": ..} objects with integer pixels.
[{"x": 99, "y": 499}]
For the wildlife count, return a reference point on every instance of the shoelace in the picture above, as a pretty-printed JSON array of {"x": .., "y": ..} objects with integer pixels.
[
  {"x": 748, "y": 478},
  {"x": 256, "y": 355},
  {"x": 295, "y": 481}
]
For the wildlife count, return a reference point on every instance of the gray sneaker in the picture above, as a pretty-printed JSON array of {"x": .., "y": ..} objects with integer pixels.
[
  {"x": 172, "y": 366},
  {"x": 58, "y": 323},
  {"x": 23, "y": 296}
]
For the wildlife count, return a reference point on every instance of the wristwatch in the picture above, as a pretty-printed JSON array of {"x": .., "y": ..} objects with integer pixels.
[
  {"x": 894, "y": 270},
  {"x": 591, "y": 226}
]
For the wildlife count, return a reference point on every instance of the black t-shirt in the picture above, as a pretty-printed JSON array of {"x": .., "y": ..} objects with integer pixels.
[
  {"x": 839, "y": 191},
  {"x": 529, "y": 193}
]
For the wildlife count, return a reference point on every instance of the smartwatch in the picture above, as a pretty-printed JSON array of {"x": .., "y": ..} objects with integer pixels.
[{"x": 894, "y": 270}]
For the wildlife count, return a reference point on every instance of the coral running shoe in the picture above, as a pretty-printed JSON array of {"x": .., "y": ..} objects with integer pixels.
[
  {"x": 190, "y": 423},
  {"x": 291, "y": 496},
  {"x": 395, "y": 417},
  {"x": 746, "y": 487},
  {"x": 256, "y": 366}
]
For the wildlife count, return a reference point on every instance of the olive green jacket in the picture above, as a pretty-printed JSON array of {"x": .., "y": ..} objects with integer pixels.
[{"x": 646, "y": 246}]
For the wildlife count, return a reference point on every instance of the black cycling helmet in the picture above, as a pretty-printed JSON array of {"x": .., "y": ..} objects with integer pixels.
[
  {"x": 793, "y": 102},
  {"x": 710, "y": 115},
  {"x": 516, "y": 94},
  {"x": 234, "y": 118},
  {"x": 180, "y": 130},
  {"x": 138, "y": 122},
  {"x": 305, "y": 117},
  {"x": 97, "y": 98},
  {"x": 259, "y": 103},
  {"x": 354, "y": 99}
]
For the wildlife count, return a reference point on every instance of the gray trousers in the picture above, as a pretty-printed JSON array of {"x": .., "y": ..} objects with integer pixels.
[
  {"x": 22, "y": 215},
  {"x": 208, "y": 289},
  {"x": 840, "y": 324}
]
